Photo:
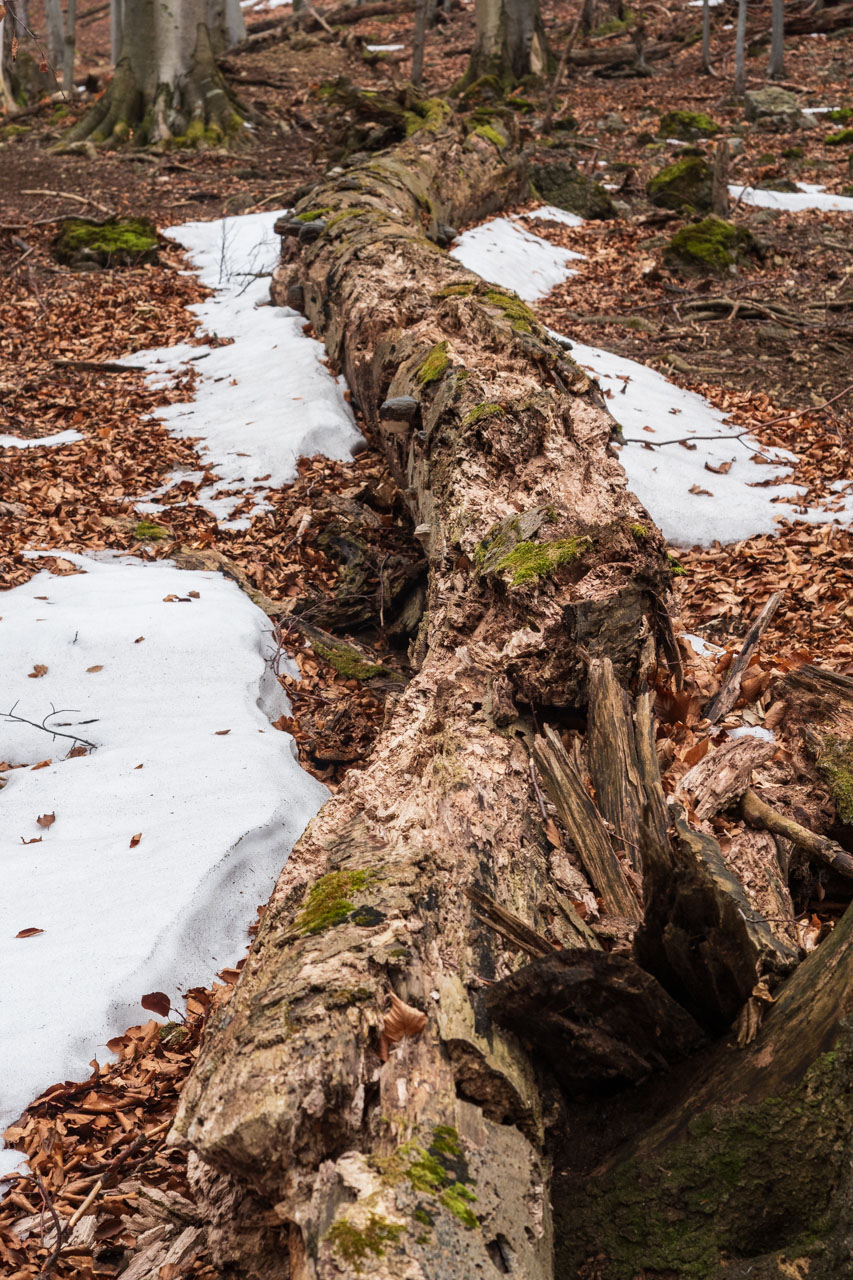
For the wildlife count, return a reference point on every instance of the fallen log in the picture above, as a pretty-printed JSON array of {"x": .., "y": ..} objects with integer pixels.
[
  {"x": 355, "y": 1105},
  {"x": 526, "y": 521}
]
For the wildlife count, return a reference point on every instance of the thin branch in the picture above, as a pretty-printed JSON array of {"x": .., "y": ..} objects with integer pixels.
[{"x": 74, "y": 737}]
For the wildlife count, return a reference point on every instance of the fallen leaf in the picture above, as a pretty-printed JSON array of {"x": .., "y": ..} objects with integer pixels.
[
  {"x": 134, "y": 840},
  {"x": 157, "y": 1002},
  {"x": 38, "y": 670},
  {"x": 98, "y": 668},
  {"x": 403, "y": 1020},
  {"x": 696, "y": 488},
  {"x": 722, "y": 470},
  {"x": 28, "y": 933},
  {"x": 46, "y": 820},
  {"x": 78, "y": 750},
  {"x": 42, "y": 764},
  {"x": 195, "y": 595},
  {"x": 552, "y": 834},
  {"x": 139, "y": 639},
  {"x": 220, "y": 733},
  {"x": 35, "y": 840}
]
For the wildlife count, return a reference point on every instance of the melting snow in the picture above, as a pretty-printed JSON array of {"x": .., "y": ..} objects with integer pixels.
[
  {"x": 218, "y": 811},
  {"x": 723, "y": 506},
  {"x": 264, "y": 400},
  {"x": 19, "y": 442},
  {"x": 504, "y": 252},
  {"x": 809, "y": 196}
]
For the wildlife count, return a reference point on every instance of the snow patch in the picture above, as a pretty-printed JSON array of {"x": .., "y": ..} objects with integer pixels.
[
  {"x": 752, "y": 731},
  {"x": 808, "y": 197},
  {"x": 505, "y": 253},
  {"x": 384, "y": 48},
  {"x": 218, "y": 811},
  {"x": 551, "y": 213},
  {"x": 45, "y": 442},
  {"x": 265, "y": 399}
]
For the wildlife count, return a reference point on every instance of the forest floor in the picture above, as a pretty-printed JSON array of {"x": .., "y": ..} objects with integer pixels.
[{"x": 775, "y": 375}]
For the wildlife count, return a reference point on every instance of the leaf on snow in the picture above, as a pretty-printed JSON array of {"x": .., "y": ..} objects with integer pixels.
[
  {"x": 134, "y": 840},
  {"x": 28, "y": 933},
  {"x": 98, "y": 668},
  {"x": 157, "y": 1002},
  {"x": 38, "y": 670},
  {"x": 46, "y": 820}
]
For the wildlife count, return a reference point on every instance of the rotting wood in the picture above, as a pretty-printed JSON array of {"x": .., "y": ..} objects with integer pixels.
[
  {"x": 723, "y": 701},
  {"x": 290, "y": 1098},
  {"x": 724, "y": 774},
  {"x": 612, "y": 755},
  {"x": 583, "y": 822},
  {"x": 760, "y": 814}
]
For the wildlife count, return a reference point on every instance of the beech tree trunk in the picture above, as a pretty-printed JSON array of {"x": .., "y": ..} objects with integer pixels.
[
  {"x": 510, "y": 43},
  {"x": 167, "y": 88},
  {"x": 776, "y": 68},
  {"x": 386, "y": 1087}
]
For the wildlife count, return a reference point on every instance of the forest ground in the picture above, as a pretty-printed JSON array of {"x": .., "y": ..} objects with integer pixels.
[{"x": 774, "y": 376}]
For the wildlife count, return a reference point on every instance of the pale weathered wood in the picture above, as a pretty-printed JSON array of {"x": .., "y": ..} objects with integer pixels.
[
  {"x": 760, "y": 814},
  {"x": 724, "y": 774},
  {"x": 584, "y": 825},
  {"x": 612, "y": 757},
  {"x": 729, "y": 692}
]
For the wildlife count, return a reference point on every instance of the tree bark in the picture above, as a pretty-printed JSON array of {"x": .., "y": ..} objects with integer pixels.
[
  {"x": 422, "y": 1154},
  {"x": 167, "y": 88},
  {"x": 510, "y": 43},
  {"x": 776, "y": 68},
  {"x": 740, "y": 50}
]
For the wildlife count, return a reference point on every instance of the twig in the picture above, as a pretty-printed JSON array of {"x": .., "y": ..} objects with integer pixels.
[
  {"x": 760, "y": 814},
  {"x": 48, "y": 1204},
  {"x": 727, "y": 695},
  {"x": 799, "y": 413},
  {"x": 558, "y": 74},
  {"x": 100, "y": 366},
  {"x": 47, "y": 728},
  {"x": 69, "y": 195}
]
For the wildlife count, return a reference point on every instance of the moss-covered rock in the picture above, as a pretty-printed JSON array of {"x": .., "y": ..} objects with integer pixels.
[
  {"x": 566, "y": 187},
  {"x": 712, "y": 245},
  {"x": 119, "y": 242},
  {"x": 688, "y": 182},
  {"x": 843, "y": 138},
  {"x": 776, "y": 109},
  {"x": 687, "y": 125}
]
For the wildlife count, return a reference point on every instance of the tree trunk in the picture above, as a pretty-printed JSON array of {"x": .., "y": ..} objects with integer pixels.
[
  {"x": 511, "y": 42},
  {"x": 740, "y": 50},
  {"x": 748, "y": 1174},
  {"x": 706, "y": 36},
  {"x": 422, "y": 1154},
  {"x": 54, "y": 35},
  {"x": 69, "y": 46},
  {"x": 116, "y": 29},
  {"x": 167, "y": 88},
  {"x": 776, "y": 68}
]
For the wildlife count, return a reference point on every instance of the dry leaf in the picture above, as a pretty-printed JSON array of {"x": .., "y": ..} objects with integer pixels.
[
  {"x": 42, "y": 764},
  {"x": 220, "y": 733},
  {"x": 157, "y": 1002},
  {"x": 46, "y": 820},
  {"x": 98, "y": 668},
  {"x": 35, "y": 840},
  {"x": 194, "y": 595},
  {"x": 28, "y": 933},
  {"x": 697, "y": 488},
  {"x": 78, "y": 750},
  {"x": 38, "y": 670},
  {"x": 139, "y": 639},
  {"x": 722, "y": 470},
  {"x": 403, "y": 1020},
  {"x": 134, "y": 840},
  {"x": 552, "y": 835}
]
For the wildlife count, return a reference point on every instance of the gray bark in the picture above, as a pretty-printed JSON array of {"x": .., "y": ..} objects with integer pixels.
[
  {"x": 740, "y": 50},
  {"x": 166, "y": 84},
  {"x": 54, "y": 35},
  {"x": 116, "y": 28},
  {"x": 69, "y": 46},
  {"x": 706, "y": 36},
  {"x": 776, "y": 68},
  {"x": 510, "y": 41}
]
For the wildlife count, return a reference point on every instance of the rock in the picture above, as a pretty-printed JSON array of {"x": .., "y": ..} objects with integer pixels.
[
  {"x": 614, "y": 123},
  {"x": 712, "y": 245},
  {"x": 775, "y": 108},
  {"x": 736, "y": 145},
  {"x": 687, "y": 125},
  {"x": 688, "y": 181},
  {"x": 566, "y": 187},
  {"x": 118, "y": 242}
]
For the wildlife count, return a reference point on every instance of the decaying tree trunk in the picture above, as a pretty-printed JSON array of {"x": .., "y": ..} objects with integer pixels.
[
  {"x": 496, "y": 908},
  {"x": 431, "y": 1163}
]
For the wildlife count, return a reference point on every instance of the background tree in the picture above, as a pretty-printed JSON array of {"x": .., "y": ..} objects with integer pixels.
[
  {"x": 706, "y": 36},
  {"x": 776, "y": 69},
  {"x": 740, "y": 49},
  {"x": 510, "y": 41},
  {"x": 167, "y": 85}
]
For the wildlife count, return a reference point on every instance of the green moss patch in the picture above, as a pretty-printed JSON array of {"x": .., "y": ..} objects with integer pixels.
[
  {"x": 117, "y": 242},
  {"x": 531, "y": 560},
  {"x": 689, "y": 181},
  {"x": 481, "y": 412},
  {"x": 687, "y": 125},
  {"x": 145, "y": 531},
  {"x": 349, "y": 663},
  {"x": 520, "y": 317},
  {"x": 328, "y": 903},
  {"x": 843, "y": 138},
  {"x": 311, "y": 215},
  {"x": 491, "y": 134},
  {"x": 712, "y": 245},
  {"x": 435, "y": 365},
  {"x": 836, "y": 766},
  {"x": 353, "y": 1244},
  {"x": 462, "y": 290}
]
